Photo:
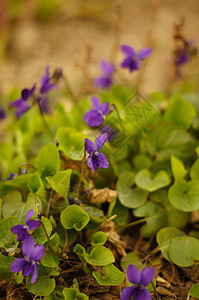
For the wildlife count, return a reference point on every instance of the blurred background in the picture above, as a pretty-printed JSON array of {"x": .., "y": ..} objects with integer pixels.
[{"x": 77, "y": 34}]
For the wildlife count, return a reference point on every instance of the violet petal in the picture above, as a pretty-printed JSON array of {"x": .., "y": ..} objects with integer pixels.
[
  {"x": 93, "y": 118},
  {"x": 33, "y": 224},
  {"x": 126, "y": 62},
  {"x": 18, "y": 103},
  {"x": 89, "y": 146},
  {"x": 104, "y": 108},
  {"x": 144, "y": 53},
  {"x": 141, "y": 294},
  {"x": 28, "y": 245},
  {"x": 127, "y": 50},
  {"x": 95, "y": 103},
  {"x": 147, "y": 275},
  {"x": 22, "y": 235},
  {"x": 127, "y": 293},
  {"x": 25, "y": 94},
  {"x": 29, "y": 214},
  {"x": 133, "y": 274},
  {"x": 107, "y": 68},
  {"x": 100, "y": 140},
  {"x": 103, "y": 82},
  {"x": 22, "y": 109},
  {"x": 17, "y": 265},
  {"x": 103, "y": 162},
  {"x": 35, "y": 274},
  {"x": 27, "y": 269},
  {"x": 93, "y": 162},
  {"x": 17, "y": 229},
  {"x": 37, "y": 253}
]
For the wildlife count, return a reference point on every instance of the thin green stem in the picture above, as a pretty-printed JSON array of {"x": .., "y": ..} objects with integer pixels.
[
  {"x": 48, "y": 236},
  {"x": 130, "y": 225},
  {"x": 45, "y": 123},
  {"x": 58, "y": 255},
  {"x": 49, "y": 202},
  {"x": 68, "y": 87},
  {"x": 80, "y": 178},
  {"x": 120, "y": 120}
]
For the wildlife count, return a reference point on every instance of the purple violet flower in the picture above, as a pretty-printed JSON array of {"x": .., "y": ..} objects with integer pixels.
[
  {"x": 33, "y": 254},
  {"x": 11, "y": 176},
  {"x": 2, "y": 114},
  {"x": 71, "y": 201},
  {"x": 43, "y": 104},
  {"x": 23, "y": 230},
  {"x": 105, "y": 80},
  {"x": 140, "y": 281},
  {"x": 133, "y": 60},
  {"x": 112, "y": 132},
  {"x": 46, "y": 83},
  {"x": 96, "y": 159},
  {"x": 95, "y": 117},
  {"x": 20, "y": 104},
  {"x": 15, "y": 175},
  {"x": 182, "y": 58}
]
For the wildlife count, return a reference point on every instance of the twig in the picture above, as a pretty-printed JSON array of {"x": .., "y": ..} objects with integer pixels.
[
  {"x": 68, "y": 87},
  {"x": 155, "y": 9},
  {"x": 117, "y": 31}
]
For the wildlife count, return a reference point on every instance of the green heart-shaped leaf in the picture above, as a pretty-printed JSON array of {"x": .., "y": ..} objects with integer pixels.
[
  {"x": 6, "y": 236},
  {"x": 155, "y": 217},
  {"x": 145, "y": 181},
  {"x": 130, "y": 197},
  {"x": 131, "y": 258},
  {"x": 71, "y": 142},
  {"x": 100, "y": 256},
  {"x": 5, "y": 262},
  {"x": 111, "y": 276},
  {"x": 73, "y": 294},
  {"x": 194, "y": 171},
  {"x": 183, "y": 251},
  {"x": 185, "y": 195},
  {"x": 164, "y": 238},
  {"x": 75, "y": 217},
  {"x": 177, "y": 167},
  {"x": 13, "y": 205},
  {"x": 48, "y": 160},
  {"x": 165, "y": 139},
  {"x": 98, "y": 239},
  {"x": 194, "y": 291},
  {"x": 60, "y": 182},
  {"x": 180, "y": 112},
  {"x": 44, "y": 285}
]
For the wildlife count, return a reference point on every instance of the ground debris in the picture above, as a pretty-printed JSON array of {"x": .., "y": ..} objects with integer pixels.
[
  {"x": 114, "y": 237},
  {"x": 93, "y": 290},
  {"x": 103, "y": 195},
  {"x": 9, "y": 291}
]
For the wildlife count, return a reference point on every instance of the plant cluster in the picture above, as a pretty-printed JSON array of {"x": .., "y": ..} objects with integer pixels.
[{"x": 62, "y": 220}]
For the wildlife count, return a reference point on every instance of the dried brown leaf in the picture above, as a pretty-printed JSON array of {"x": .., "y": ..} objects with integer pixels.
[{"x": 103, "y": 195}]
